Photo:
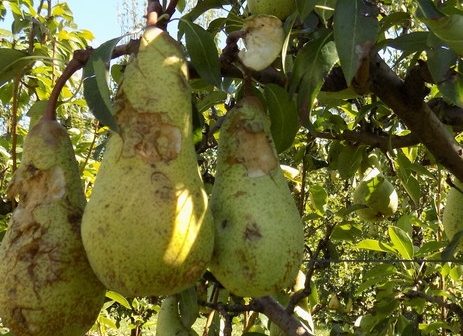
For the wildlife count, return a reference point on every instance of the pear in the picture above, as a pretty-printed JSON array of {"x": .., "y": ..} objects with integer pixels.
[
  {"x": 47, "y": 285},
  {"x": 147, "y": 229},
  {"x": 452, "y": 219},
  {"x": 169, "y": 322},
  {"x": 278, "y": 8},
  {"x": 264, "y": 37},
  {"x": 377, "y": 194},
  {"x": 259, "y": 233}
]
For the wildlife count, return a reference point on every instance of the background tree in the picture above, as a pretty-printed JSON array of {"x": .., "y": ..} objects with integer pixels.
[{"x": 359, "y": 85}]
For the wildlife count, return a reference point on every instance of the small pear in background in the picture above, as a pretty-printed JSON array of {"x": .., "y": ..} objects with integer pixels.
[
  {"x": 377, "y": 194},
  {"x": 278, "y": 8},
  {"x": 47, "y": 285},
  {"x": 147, "y": 229},
  {"x": 259, "y": 233}
]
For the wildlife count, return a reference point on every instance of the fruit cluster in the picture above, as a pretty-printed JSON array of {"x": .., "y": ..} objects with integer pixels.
[{"x": 147, "y": 229}]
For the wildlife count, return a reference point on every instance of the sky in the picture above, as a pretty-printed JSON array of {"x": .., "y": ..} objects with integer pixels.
[{"x": 98, "y": 16}]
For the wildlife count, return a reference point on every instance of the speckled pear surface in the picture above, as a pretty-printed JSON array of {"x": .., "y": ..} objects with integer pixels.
[
  {"x": 146, "y": 229},
  {"x": 47, "y": 286},
  {"x": 279, "y": 8},
  {"x": 259, "y": 234},
  {"x": 453, "y": 213}
]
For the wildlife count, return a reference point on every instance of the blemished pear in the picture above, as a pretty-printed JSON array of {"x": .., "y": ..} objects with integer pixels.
[
  {"x": 452, "y": 219},
  {"x": 47, "y": 285},
  {"x": 259, "y": 233},
  {"x": 278, "y": 8},
  {"x": 147, "y": 229},
  {"x": 263, "y": 39}
]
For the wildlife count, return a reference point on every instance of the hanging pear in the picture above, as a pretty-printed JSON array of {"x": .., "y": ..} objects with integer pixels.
[
  {"x": 259, "y": 233},
  {"x": 146, "y": 229},
  {"x": 47, "y": 285}
]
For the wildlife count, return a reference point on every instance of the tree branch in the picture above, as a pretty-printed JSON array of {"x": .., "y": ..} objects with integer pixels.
[
  {"x": 405, "y": 99},
  {"x": 453, "y": 307},
  {"x": 384, "y": 142},
  {"x": 278, "y": 315},
  {"x": 78, "y": 61}
]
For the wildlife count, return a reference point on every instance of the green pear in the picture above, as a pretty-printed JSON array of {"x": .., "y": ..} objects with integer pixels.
[
  {"x": 453, "y": 213},
  {"x": 377, "y": 194},
  {"x": 259, "y": 233},
  {"x": 278, "y": 8},
  {"x": 146, "y": 228},
  {"x": 169, "y": 322},
  {"x": 47, "y": 285},
  {"x": 264, "y": 37}
]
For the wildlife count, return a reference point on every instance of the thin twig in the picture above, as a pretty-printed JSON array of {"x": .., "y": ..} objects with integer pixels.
[
  {"x": 313, "y": 262},
  {"x": 78, "y": 61}
]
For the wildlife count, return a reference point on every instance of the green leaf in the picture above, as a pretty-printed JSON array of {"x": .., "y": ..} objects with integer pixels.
[
  {"x": 12, "y": 62},
  {"x": 440, "y": 62},
  {"x": 345, "y": 232},
  {"x": 453, "y": 246},
  {"x": 203, "y": 51},
  {"x": 304, "y": 7},
  {"x": 118, "y": 298},
  {"x": 213, "y": 98},
  {"x": 349, "y": 160},
  {"x": 36, "y": 111},
  {"x": 409, "y": 182},
  {"x": 375, "y": 245},
  {"x": 96, "y": 88},
  {"x": 318, "y": 198},
  {"x": 429, "y": 247},
  {"x": 283, "y": 116},
  {"x": 313, "y": 62},
  {"x": 413, "y": 42},
  {"x": 448, "y": 28},
  {"x": 355, "y": 29},
  {"x": 201, "y": 7},
  {"x": 401, "y": 241},
  {"x": 188, "y": 306}
]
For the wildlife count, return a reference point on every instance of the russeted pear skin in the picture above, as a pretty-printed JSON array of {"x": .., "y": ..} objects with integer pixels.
[
  {"x": 169, "y": 322},
  {"x": 47, "y": 285},
  {"x": 147, "y": 229},
  {"x": 259, "y": 233},
  {"x": 452, "y": 219}
]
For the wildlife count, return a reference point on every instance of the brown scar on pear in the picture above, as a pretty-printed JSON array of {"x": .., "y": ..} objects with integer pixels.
[
  {"x": 251, "y": 139},
  {"x": 151, "y": 136}
]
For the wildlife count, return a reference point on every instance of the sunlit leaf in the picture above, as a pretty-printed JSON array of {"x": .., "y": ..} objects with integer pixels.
[
  {"x": 401, "y": 241},
  {"x": 203, "y": 52},
  {"x": 375, "y": 245},
  {"x": 118, "y": 298},
  {"x": 96, "y": 87}
]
